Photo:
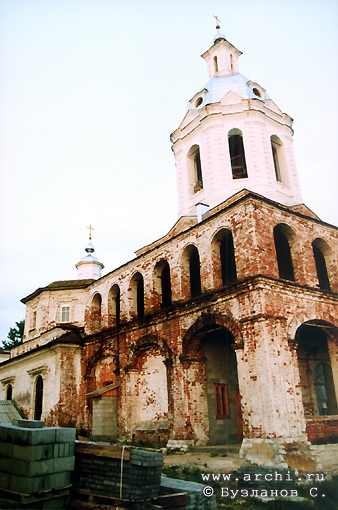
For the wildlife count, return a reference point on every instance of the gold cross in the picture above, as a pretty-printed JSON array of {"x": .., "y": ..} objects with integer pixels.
[{"x": 90, "y": 228}]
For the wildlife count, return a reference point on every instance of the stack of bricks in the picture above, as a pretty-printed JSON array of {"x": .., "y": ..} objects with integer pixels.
[
  {"x": 35, "y": 459},
  {"x": 196, "y": 499},
  {"x": 125, "y": 473}
]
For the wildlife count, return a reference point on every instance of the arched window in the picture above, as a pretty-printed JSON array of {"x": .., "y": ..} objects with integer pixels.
[
  {"x": 325, "y": 394},
  {"x": 9, "y": 392},
  {"x": 315, "y": 369},
  {"x": 194, "y": 157},
  {"x": 38, "y": 398},
  {"x": 320, "y": 249},
  {"x": 137, "y": 287},
  {"x": 114, "y": 306},
  {"x": 237, "y": 154},
  {"x": 191, "y": 273},
  {"x": 282, "y": 236},
  {"x": 195, "y": 274},
  {"x": 215, "y": 64},
  {"x": 95, "y": 314},
  {"x": 163, "y": 283},
  {"x": 276, "y": 147},
  {"x": 228, "y": 263},
  {"x": 224, "y": 263}
]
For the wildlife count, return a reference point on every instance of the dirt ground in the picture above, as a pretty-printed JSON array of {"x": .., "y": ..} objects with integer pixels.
[{"x": 206, "y": 461}]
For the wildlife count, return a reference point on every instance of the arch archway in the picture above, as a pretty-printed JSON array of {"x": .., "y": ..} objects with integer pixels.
[
  {"x": 316, "y": 352},
  {"x": 114, "y": 306},
  {"x": 95, "y": 313},
  {"x": 211, "y": 373},
  {"x": 148, "y": 374}
]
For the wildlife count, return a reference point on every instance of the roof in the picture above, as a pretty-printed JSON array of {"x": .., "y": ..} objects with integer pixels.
[
  {"x": 8, "y": 412},
  {"x": 218, "y": 86},
  {"x": 59, "y": 285}
]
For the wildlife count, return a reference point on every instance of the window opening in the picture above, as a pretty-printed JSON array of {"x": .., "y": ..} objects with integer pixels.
[
  {"x": 276, "y": 148},
  {"x": 325, "y": 393},
  {"x": 256, "y": 92},
  {"x": 323, "y": 277},
  {"x": 231, "y": 62},
  {"x": 34, "y": 319},
  {"x": 237, "y": 157},
  {"x": 198, "y": 102},
  {"x": 118, "y": 307},
  {"x": 198, "y": 171},
  {"x": 65, "y": 313},
  {"x": 222, "y": 401},
  {"x": 140, "y": 297},
  {"x": 165, "y": 286},
  {"x": 38, "y": 397},
  {"x": 9, "y": 392},
  {"x": 228, "y": 263},
  {"x": 215, "y": 64},
  {"x": 195, "y": 274},
  {"x": 283, "y": 253},
  {"x": 96, "y": 312}
]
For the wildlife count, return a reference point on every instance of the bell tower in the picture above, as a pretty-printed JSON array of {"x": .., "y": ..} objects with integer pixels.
[{"x": 233, "y": 137}]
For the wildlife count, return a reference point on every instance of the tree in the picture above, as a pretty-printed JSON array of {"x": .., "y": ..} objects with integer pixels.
[{"x": 14, "y": 336}]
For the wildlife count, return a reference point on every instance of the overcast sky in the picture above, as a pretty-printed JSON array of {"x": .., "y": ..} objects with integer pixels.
[{"x": 89, "y": 94}]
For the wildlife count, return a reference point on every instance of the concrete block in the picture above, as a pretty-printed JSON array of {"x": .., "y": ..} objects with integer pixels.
[
  {"x": 65, "y": 435},
  {"x": 6, "y": 449},
  {"x": 26, "y": 485},
  {"x": 4, "y": 481},
  {"x": 27, "y": 468},
  {"x": 63, "y": 464},
  {"x": 30, "y": 424},
  {"x": 30, "y": 452},
  {"x": 26, "y": 436}
]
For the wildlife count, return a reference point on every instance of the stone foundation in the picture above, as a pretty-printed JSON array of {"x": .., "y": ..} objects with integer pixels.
[{"x": 279, "y": 452}]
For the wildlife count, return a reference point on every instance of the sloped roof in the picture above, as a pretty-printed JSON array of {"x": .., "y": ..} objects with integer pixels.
[
  {"x": 59, "y": 285},
  {"x": 8, "y": 412}
]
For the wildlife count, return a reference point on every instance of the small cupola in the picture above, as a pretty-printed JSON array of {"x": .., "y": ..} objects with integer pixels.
[
  {"x": 89, "y": 267},
  {"x": 222, "y": 56}
]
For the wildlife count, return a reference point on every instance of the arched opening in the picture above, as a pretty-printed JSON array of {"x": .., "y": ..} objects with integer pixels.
[
  {"x": 38, "y": 398},
  {"x": 315, "y": 369},
  {"x": 320, "y": 251},
  {"x": 237, "y": 154},
  {"x": 95, "y": 314},
  {"x": 147, "y": 390},
  {"x": 224, "y": 262},
  {"x": 162, "y": 283},
  {"x": 114, "y": 306},
  {"x": 9, "y": 392},
  {"x": 137, "y": 288},
  {"x": 191, "y": 272},
  {"x": 276, "y": 147},
  {"x": 215, "y": 64},
  {"x": 211, "y": 374},
  {"x": 231, "y": 62},
  {"x": 283, "y": 237},
  {"x": 195, "y": 171}
]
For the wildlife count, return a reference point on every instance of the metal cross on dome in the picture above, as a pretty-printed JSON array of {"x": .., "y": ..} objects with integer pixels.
[
  {"x": 90, "y": 228},
  {"x": 218, "y": 22}
]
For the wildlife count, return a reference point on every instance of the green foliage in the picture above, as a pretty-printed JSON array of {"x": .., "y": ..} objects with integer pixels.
[{"x": 14, "y": 336}]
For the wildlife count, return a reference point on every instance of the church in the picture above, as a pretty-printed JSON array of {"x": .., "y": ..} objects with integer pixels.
[{"x": 225, "y": 330}]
